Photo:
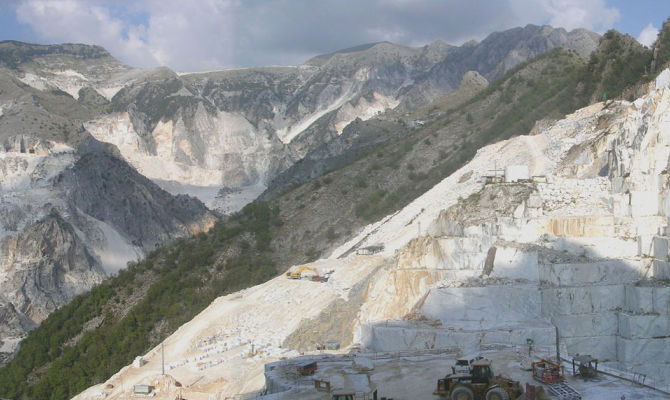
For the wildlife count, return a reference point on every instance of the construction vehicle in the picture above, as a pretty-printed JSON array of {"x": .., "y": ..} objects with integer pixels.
[
  {"x": 298, "y": 273},
  {"x": 461, "y": 367},
  {"x": 478, "y": 383},
  {"x": 307, "y": 369}
]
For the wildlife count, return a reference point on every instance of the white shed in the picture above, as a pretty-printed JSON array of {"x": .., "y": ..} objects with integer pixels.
[
  {"x": 515, "y": 173},
  {"x": 143, "y": 390}
]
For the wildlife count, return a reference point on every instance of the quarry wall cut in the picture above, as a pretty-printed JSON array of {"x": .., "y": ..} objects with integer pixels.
[{"x": 584, "y": 254}]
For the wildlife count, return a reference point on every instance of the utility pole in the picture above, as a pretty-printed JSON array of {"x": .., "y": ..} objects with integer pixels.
[
  {"x": 558, "y": 351},
  {"x": 163, "y": 358}
]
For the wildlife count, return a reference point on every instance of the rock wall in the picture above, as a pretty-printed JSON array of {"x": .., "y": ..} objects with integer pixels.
[
  {"x": 587, "y": 252},
  {"x": 70, "y": 218}
]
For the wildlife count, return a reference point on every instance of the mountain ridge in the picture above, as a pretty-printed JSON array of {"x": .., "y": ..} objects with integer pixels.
[
  {"x": 465, "y": 134},
  {"x": 278, "y": 243}
]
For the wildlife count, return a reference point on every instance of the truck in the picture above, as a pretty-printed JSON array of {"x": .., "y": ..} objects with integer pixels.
[
  {"x": 478, "y": 383},
  {"x": 308, "y": 368}
]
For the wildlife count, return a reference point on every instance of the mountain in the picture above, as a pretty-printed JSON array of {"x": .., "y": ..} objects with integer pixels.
[
  {"x": 495, "y": 55},
  {"x": 73, "y": 211},
  {"x": 377, "y": 177},
  {"x": 466, "y": 267},
  {"x": 90, "y": 147},
  {"x": 169, "y": 126}
]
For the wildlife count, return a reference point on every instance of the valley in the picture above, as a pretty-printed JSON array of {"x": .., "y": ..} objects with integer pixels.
[{"x": 152, "y": 216}]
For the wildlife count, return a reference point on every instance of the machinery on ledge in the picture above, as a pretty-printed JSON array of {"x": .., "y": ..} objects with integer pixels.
[
  {"x": 553, "y": 376},
  {"x": 548, "y": 372},
  {"x": 298, "y": 274},
  {"x": 351, "y": 394},
  {"x": 585, "y": 366},
  {"x": 478, "y": 382},
  {"x": 308, "y": 272}
]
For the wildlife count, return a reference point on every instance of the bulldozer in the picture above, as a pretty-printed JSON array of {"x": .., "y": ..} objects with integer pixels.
[{"x": 479, "y": 383}]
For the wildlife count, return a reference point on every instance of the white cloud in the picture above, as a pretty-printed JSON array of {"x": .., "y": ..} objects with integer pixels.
[
  {"x": 181, "y": 35},
  {"x": 211, "y": 34},
  {"x": 648, "y": 35},
  {"x": 79, "y": 21},
  {"x": 589, "y": 14},
  {"x": 191, "y": 35}
]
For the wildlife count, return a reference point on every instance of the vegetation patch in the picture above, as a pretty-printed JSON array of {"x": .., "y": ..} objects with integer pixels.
[{"x": 181, "y": 280}]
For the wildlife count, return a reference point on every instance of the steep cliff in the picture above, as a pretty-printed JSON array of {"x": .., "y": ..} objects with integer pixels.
[{"x": 73, "y": 212}]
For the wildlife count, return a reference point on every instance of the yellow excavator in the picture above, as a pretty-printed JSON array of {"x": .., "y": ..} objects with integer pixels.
[{"x": 298, "y": 273}]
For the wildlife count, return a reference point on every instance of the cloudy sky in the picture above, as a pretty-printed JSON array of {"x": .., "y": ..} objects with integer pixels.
[{"x": 200, "y": 35}]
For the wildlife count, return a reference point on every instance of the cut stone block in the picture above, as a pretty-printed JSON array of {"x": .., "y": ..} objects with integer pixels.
[
  {"x": 579, "y": 226},
  {"x": 644, "y": 203},
  {"x": 516, "y": 231},
  {"x": 597, "y": 247},
  {"x": 581, "y": 300},
  {"x": 643, "y": 326},
  {"x": 665, "y": 204},
  {"x": 604, "y": 348},
  {"x": 452, "y": 253},
  {"x": 643, "y": 350},
  {"x": 487, "y": 307},
  {"x": 650, "y": 225},
  {"x": 402, "y": 337},
  {"x": 603, "y": 272},
  {"x": 661, "y": 270},
  {"x": 645, "y": 245},
  {"x": 661, "y": 300},
  {"x": 660, "y": 248},
  {"x": 513, "y": 263},
  {"x": 639, "y": 299},
  {"x": 587, "y": 325}
]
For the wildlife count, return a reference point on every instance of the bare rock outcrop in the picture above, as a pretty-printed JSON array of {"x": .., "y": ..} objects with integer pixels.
[{"x": 48, "y": 266}]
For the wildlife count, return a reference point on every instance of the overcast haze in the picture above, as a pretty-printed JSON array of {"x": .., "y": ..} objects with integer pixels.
[{"x": 212, "y": 34}]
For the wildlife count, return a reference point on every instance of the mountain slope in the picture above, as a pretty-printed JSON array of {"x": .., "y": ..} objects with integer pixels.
[
  {"x": 296, "y": 227},
  {"x": 221, "y": 136},
  {"x": 237, "y": 130},
  {"x": 64, "y": 228},
  {"x": 497, "y": 54},
  {"x": 468, "y": 266}
]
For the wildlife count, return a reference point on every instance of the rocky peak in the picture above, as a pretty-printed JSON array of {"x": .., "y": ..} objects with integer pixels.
[
  {"x": 323, "y": 58},
  {"x": 472, "y": 79},
  {"x": 49, "y": 265},
  {"x": 501, "y": 51},
  {"x": 13, "y": 53}
]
